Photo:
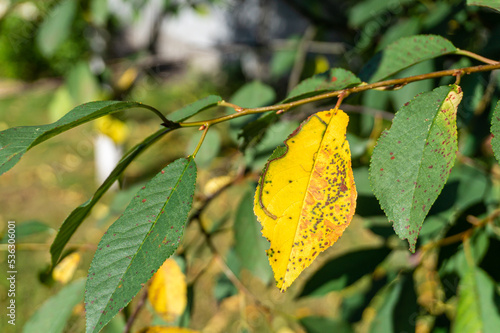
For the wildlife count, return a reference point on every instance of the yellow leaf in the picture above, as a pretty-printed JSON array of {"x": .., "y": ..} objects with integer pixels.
[
  {"x": 160, "y": 329},
  {"x": 168, "y": 291},
  {"x": 306, "y": 195},
  {"x": 64, "y": 271},
  {"x": 116, "y": 129}
]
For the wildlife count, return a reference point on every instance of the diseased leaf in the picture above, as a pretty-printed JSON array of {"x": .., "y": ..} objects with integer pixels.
[
  {"x": 306, "y": 195},
  {"x": 335, "y": 79},
  {"x": 76, "y": 217},
  {"x": 404, "y": 53},
  {"x": 191, "y": 109},
  {"x": 495, "y": 131},
  {"x": 168, "y": 291},
  {"x": 493, "y": 4},
  {"x": 55, "y": 312},
  {"x": 139, "y": 242},
  {"x": 413, "y": 160},
  {"x": 14, "y": 142},
  {"x": 476, "y": 309}
]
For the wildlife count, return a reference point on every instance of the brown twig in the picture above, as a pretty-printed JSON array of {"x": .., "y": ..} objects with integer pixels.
[{"x": 137, "y": 309}]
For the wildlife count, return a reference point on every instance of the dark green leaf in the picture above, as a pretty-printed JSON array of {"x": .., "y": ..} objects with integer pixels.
[
  {"x": 404, "y": 53},
  {"x": 191, "y": 109},
  {"x": 384, "y": 305},
  {"x": 493, "y": 4},
  {"x": 138, "y": 243},
  {"x": 55, "y": 312},
  {"x": 404, "y": 28},
  {"x": 335, "y": 79},
  {"x": 404, "y": 314},
  {"x": 323, "y": 324},
  {"x": 76, "y": 217},
  {"x": 56, "y": 27},
  {"x": 250, "y": 247},
  {"x": 495, "y": 130},
  {"x": 476, "y": 309},
  {"x": 344, "y": 271},
  {"x": 412, "y": 161},
  {"x": 14, "y": 142}
]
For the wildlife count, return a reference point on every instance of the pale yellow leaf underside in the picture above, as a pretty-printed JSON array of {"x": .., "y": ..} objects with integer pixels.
[
  {"x": 168, "y": 291},
  {"x": 306, "y": 198}
]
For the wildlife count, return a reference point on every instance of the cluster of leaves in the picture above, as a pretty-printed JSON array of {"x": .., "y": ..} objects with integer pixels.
[{"x": 451, "y": 210}]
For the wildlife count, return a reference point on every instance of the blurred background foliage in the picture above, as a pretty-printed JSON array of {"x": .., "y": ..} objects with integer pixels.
[{"x": 55, "y": 55}]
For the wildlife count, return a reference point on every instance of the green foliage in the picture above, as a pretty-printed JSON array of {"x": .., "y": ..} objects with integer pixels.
[
  {"x": 369, "y": 282},
  {"x": 138, "y": 243}
]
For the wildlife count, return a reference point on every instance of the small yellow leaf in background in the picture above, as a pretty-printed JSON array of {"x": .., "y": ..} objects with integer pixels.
[
  {"x": 168, "y": 291},
  {"x": 160, "y": 329},
  {"x": 116, "y": 129},
  {"x": 64, "y": 271},
  {"x": 306, "y": 195}
]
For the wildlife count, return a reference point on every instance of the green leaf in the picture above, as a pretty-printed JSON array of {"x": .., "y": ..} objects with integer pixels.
[
  {"x": 192, "y": 109},
  {"x": 476, "y": 309},
  {"x": 76, "y": 217},
  {"x": 100, "y": 11},
  {"x": 137, "y": 244},
  {"x": 335, "y": 79},
  {"x": 404, "y": 53},
  {"x": 367, "y": 10},
  {"x": 315, "y": 324},
  {"x": 405, "y": 310},
  {"x": 55, "y": 312},
  {"x": 251, "y": 95},
  {"x": 82, "y": 84},
  {"x": 384, "y": 306},
  {"x": 404, "y": 28},
  {"x": 26, "y": 229},
  {"x": 14, "y": 142},
  {"x": 56, "y": 27},
  {"x": 250, "y": 247},
  {"x": 495, "y": 130},
  {"x": 412, "y": 161},
  {"x": 354, "y": 265},
  {"x": 493, "y": 4}
]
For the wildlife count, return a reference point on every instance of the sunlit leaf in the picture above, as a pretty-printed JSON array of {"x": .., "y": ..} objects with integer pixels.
[
  {"x": 306, "y": 195},
  {"x": 476, "y": 308},
  {"x": 404, "y": 53},
  {"x": 56, "y": 27},
  {"x": 14, "y": 142},
  {"x": 412, "y": 161},
  {"x": 334, "y": 79},
  {"x": 139, "y": 242},
  {"x": 76, "y": 217},
  {"x": 168, "y": 291},
  {"x": 64, "y": 271},
  {"x": 55, "y": 312}
]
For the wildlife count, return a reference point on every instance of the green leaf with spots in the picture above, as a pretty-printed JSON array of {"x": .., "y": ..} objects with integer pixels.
[
  {"x": 14, "y": 142},
  {"x": 138, "y": 243},
  {"x": 334, "y": 79},
  {"x": 495, "y": 130},
  {"x": 493, "y": 4},
  {"x": 412, "y": 161},
  {"x": 404, "y": 53},
  {"x": 76, "y": 217},
  {"x": 476, "y": 308}
]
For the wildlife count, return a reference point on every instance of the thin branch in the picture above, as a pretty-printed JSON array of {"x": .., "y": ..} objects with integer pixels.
[
  {"x": 363, "y": 87},
  {"x": 476, "y": 56},
  {"x": 137, "y": 309}
]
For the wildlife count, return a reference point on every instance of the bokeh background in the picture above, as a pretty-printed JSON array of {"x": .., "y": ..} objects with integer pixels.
[{"x": 55, "y": 55}]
